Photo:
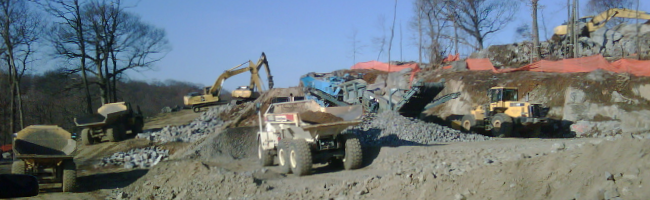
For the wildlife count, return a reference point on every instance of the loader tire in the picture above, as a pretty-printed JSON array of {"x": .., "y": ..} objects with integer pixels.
[
  {"x": 86, "y": 137},
  {"x": 18, "y": 167},
  {"x": 283, "y": 156},
  {"x": 501, "y": 125},
  {"x": 535, "y": 132},
  {"x": 69, "y": 176},
  {"x": 264, "y": 156},
  {"x": 468, "y": 122},
  {"x": 300, "y": 157},
  {"x": 353, "y": 154}
]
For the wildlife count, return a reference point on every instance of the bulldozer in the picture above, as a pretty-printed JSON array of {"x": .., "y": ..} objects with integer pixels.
[
  {"x": 590, "y": 24},
  {"x": 210, "y": 95},
  {"x": 505, "y": 115}
]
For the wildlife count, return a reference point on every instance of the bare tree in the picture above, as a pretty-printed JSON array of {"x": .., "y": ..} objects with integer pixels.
[
  {"x": 480, "y": 18},
  {"x": 392, "y": 34},
  {"x": 357, "y": 47},
  {"x": 20, "y": 28},
  {"x": 436, "y": 19},
  {"x": 68, "y": 38},
  {"x": 380, "y": 41}
]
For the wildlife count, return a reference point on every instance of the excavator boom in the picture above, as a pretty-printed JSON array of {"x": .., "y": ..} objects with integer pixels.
[
  {"x": 211, "y": 96},
  {"x": 598, "y": 21}
]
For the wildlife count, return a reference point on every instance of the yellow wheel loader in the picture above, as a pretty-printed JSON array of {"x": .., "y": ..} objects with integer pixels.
[
  {"x": 593, "y": 23},
  {"x": 210, "y": 95},
  {"x": 505, "y": 115}
]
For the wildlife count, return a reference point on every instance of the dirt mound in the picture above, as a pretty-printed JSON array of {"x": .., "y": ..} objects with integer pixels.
[
  {"x": 230, "y": 144},
  {"x": 318, "y": 117},
  {"x": 597, "y": 171}
]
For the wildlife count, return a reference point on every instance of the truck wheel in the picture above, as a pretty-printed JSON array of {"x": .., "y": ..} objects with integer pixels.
[
  {"x": 264, "y": 155},
  {"x": 283, "y": 156},
  {"x": 112, "y": 135},
  {"x": 138, "y": 127},
  {"x": 18, "y": 167},
  {"x": 196, "y": 109},
  {"x": 468, "y": 122},
  {"x": 353, "y": 154},
  {"x": 86, "y": 138},
  {"x": 300, "y": 157},
  {"x": 69, "y": 176},
  {"x": 501, "y": 125}
]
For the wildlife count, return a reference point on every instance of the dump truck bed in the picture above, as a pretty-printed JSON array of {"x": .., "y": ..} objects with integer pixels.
[
  {"x": 44, "y": 141},
  {"x": 106, "y": 114},
  {"x": 288, "y": 113},
  {"x": 328, "y": 129}
]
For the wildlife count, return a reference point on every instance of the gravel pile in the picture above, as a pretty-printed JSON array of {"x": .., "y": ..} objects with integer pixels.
[
  {"x": 140, "y": 158},
  {"x": 208, "y": 122},
  {"x": 392, "y": 129}
]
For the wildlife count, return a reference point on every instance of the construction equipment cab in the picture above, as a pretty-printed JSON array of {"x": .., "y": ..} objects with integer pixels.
[
  {"x": 210, "y": 95},
  {"x": 590, "y": 24},
  {"x": 505, "y": 115}
]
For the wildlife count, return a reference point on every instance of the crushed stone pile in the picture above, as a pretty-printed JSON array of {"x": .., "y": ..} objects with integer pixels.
[
  {"x": 208, "y": 122},
  {"x": 136, "y": 158},
  {"x": 392, "y": 129}
]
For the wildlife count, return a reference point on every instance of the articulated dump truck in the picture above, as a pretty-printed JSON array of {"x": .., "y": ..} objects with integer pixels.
[
  {"x": 46, "y": 152},
  {"x": 302, "y": 133},
  {"x": 111, "y": 123}
]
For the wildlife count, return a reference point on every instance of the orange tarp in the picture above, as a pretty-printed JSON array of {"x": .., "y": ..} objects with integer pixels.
[
  {"x": 6, "y": 147},
  {"x": 633, "y": 66},
  {"x": 479, "y": 64},
  {"x": 376, "y": 65},
  {"x": 451, "y": 58},
  {"x": 584, "y": 64}
]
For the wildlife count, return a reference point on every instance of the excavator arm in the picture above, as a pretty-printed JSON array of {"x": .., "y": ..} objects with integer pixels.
[
  {"x": 601, "y": 19},
  {"x": 256, "y": 81},
  {"x": 215, "y": 90},
  {"x": 598, "y": 21}
]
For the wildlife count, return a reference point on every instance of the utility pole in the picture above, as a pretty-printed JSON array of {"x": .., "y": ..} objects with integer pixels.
[
  {"x": 569, "y": 34},
  {"x": 638, "y": 29},
  {"x": 420, "y": 34},
  {"x": 575, "y": 29},
  {"x": 536, "y": 53}
]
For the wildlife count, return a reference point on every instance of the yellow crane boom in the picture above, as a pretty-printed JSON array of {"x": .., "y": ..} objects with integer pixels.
[{"x": 596, "y": 22}]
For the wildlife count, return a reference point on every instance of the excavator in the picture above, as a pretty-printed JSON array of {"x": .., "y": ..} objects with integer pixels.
[
  {"x": 210, "y": 95},
  {"x": 593, "y": 23}
]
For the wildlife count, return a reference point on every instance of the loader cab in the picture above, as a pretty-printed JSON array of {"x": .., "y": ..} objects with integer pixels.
[{"x": 500, "y": 94}]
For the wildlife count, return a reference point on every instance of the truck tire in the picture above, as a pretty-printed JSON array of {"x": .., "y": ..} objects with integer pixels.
[
  {"x": 86, "y": 137},
  {"x": 283, "y": 156},
  {"x": 535, "y": 132},
  {"x": 264, "y": 155},
  {"x": 69, "y": 176},
  {"x": 300, "y": 157},
  {"x": 112, "y": 135},
  {"x": 138, "y": 127},
  {"x": 18, "y": 167},
  {"x": 468, "y": 122},
  {"x": 501, "y": 125},
  {"x": 353, "y": 154}
]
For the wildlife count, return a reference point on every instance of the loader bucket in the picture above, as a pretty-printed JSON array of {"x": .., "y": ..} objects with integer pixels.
[{"x": 44, "y": 140}]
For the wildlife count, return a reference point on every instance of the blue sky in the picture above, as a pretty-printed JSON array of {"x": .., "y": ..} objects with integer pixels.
[{"x": 210, "y": 36}]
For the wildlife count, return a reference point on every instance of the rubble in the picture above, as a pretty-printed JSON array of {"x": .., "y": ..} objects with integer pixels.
[
  {"x": 388, "y": 129},
  {"x": 136, "y": 158},
  {"x": 208, "y": 122}
]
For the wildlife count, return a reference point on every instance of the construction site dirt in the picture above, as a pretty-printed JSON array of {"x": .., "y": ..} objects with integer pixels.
[{"x": 318, "y": 117}]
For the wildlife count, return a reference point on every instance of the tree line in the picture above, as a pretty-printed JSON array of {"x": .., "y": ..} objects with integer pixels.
[
  {"x": 56, "y": 97},
  {"x": 93, "y": 43}
]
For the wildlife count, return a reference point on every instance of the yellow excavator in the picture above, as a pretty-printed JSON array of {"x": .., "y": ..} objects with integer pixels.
[
  {"x": 210, "y": 95},
  {"x": 593, "y": 23}
]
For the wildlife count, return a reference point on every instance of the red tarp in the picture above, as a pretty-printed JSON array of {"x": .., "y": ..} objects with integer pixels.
[
  {"x": 451, "y": 58},
  {"x": 479, "y": 64},
  {"x": 376, "y": 65},
  {"x": 5, "y": 148},
  {"x": 572, "y": 65}
]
